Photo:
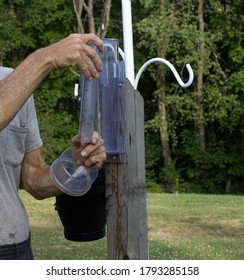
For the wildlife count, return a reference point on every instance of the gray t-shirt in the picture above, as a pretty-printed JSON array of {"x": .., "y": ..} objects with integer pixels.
[{"x": 21, "y": 136}]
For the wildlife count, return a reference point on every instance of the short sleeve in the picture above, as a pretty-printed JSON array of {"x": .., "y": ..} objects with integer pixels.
[{"x": 33, "y": 140}]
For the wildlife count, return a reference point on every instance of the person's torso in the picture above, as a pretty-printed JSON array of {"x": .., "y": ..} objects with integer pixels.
[{"x": 15, "y": 140}]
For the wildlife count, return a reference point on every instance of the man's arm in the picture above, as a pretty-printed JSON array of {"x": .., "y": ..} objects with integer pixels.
[
  {"x": 16, "y": 88},
  {"x": 35, "y": 176}
]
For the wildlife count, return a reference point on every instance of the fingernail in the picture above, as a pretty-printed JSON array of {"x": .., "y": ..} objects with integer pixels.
[{"x": 83, "y": 154}]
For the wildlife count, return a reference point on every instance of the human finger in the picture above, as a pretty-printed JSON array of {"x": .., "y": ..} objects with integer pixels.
[
  {"x": 90, "y": 63},
  {"x": 91, "y": 38},
  {"x": 92, "y": 149},
  {"x": 96, "y": 160},
  {"x": 74, "y": 50}
]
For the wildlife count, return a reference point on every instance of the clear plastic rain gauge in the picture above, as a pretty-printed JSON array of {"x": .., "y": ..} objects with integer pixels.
[
  {"x": 101, "y": 101},
  {"x": 71, "y": 178},
  {"x": 112, "y": 101}
]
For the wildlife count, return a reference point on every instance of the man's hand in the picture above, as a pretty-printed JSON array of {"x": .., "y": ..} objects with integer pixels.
[
  {"x": 74, "y": 50},
  {"x": 36, "y": 173},
  {"x": 89, "y": 154}
]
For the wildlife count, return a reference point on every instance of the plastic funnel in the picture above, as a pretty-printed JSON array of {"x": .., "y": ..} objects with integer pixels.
[{"x": 70, "y": 178}]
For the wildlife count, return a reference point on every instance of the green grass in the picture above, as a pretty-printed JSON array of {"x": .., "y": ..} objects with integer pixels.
[
  {"x": 190, "y": 226},
  {"x": 180, "y": 226}
]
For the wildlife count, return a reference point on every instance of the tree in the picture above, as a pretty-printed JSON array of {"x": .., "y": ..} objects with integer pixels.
[
  {"x": 81, "y": 7},
  {"x": 40, "y": 23},
  {"x": 149, "y": 26},
  {"x": 208, "y": 36},
  {"x": 199, "y": 83},
  {"x": 28, "y": 25},
  {"x": 157, "y": 34}
]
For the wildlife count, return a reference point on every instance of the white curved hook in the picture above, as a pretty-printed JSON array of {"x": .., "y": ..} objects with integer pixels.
[
  {"x": 172, "y": 68},
  {"x": 122, "y": 54}
]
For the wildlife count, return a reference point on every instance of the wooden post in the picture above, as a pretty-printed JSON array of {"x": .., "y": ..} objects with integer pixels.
[{"x": 126, "y": 189}]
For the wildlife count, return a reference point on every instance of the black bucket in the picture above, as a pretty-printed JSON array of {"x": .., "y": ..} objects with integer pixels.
[{"x": 84, "y": 217}]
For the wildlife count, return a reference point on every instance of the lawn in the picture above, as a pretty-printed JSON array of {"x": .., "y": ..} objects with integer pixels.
[{"x": 180, "y": 226}]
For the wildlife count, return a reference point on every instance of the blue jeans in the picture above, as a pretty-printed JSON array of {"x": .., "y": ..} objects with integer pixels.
[{"x": 17, "y": 251}]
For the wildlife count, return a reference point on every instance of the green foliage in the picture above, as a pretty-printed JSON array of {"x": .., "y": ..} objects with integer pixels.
[
  {"x": 175, "y": 26},
  {"x": 40, "y": 23},
  {"x": 153, "y": 187},
  {"x": 209, "y": 171},
  {"x": 172, "y": 27},
  {"x": 10, "y": 32},
  {"x": 58, "y": 118},
  {"x": 152, "y": 155},
  {"x": 169, "y": 177},
  {"x": 33, "y": 24}
]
